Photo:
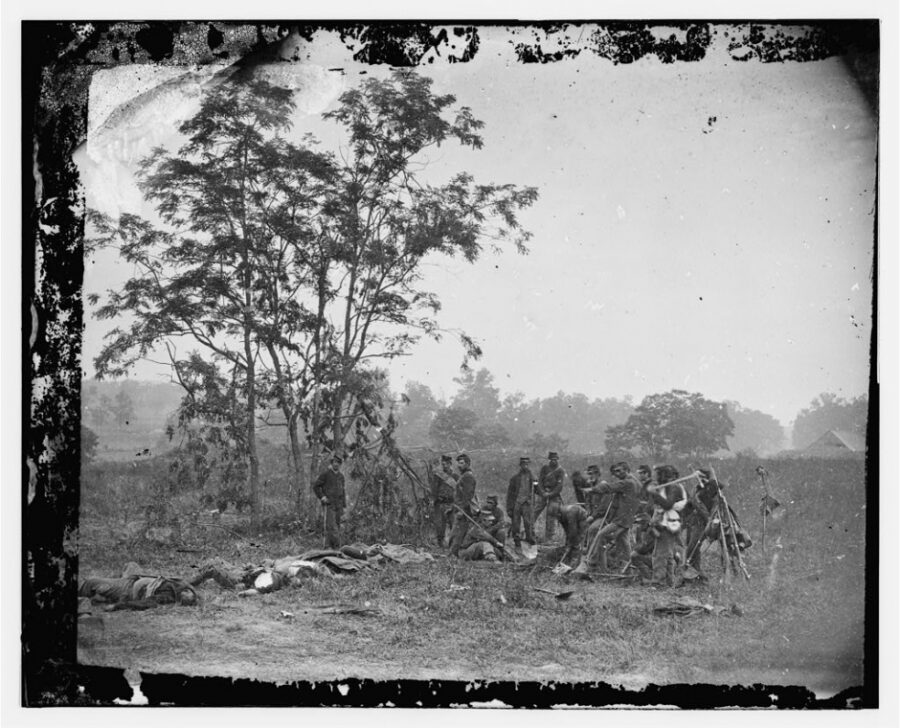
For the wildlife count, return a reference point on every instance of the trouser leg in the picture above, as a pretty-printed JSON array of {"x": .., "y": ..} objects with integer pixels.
[
  {"x": 664, "y": 558},
  {"x": 643, "y": 564},
  {"x": 553, "y": 506},
  {"x": 528, "y": 521},
  {"x": 460, "y": 527},
  {"x": 593, "y": 550},
  {"x": 539, "y": 505},
  {"x": 608, "y": 534},
  {"x": 333, "y": 527},
  {"x": 517, "y": 525}
]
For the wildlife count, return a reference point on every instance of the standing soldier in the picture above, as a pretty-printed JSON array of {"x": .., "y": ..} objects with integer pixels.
[
  {"x": 329, "y": 489},
  {"x": 625, "y": 489},
  {"x": 549, "y": 493},
  {"x": 443, "y": 487},
  {"x": 668, "y": 501},
  {"x": 464, "y": 503},
  {"x": 697, "y": 516},
  {"x": 519, "y": 503}
]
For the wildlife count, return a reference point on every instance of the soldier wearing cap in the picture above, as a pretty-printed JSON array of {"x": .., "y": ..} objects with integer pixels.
[
  {"x": 329, "y": 489},
  {"x": 443, "y": 487},
  {"x": 520, "y": 502},
  {"x": 464, "y": 502},
  {"x": 549, "y": 493},
  {"x": 625, "y": 490}
]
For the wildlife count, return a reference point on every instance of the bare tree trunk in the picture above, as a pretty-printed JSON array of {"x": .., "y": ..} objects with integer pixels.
[{"x": 255, "y": 505}]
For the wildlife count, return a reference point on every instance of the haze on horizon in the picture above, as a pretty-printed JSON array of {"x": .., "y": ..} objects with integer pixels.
[{"x": 704, "y": 226}]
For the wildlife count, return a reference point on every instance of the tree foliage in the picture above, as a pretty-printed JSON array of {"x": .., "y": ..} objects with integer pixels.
[
  {"x": 294, "y": 272},
  {"x": 754, "y": 431},
  {"x": 827, "y": 412},
  {"x": 673, "y": 423}
]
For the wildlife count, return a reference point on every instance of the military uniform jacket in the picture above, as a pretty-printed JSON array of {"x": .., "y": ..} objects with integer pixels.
[
  {"x": 572, "y": 517},
  {"x": 703, "y": 501},
  {"x": 464, "y": 496},
  {"x": 477, "y": 534},
  {"x": 625, "y": 504},
  {"x": 519, "y": 490},
  {"x": 550, "y": 481},
  {"x": 331, "y": 485},
  {"x": 443, "y": 486}
]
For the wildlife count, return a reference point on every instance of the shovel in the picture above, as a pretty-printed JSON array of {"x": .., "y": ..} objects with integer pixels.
[{"x": 559, "y": 596}]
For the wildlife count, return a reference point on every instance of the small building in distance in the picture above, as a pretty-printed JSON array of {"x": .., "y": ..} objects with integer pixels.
[{"x": 837, "y": 444}]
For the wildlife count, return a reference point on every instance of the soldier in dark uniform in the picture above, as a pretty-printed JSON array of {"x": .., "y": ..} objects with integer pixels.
[
  {"x": 443, "y": 486},
  {"x": 519, "y": 502},
  {"x": 500, "y": 526},
  {"x": 549, "y": 493},
  {"x": 668, "y": 501},
  {"x": 464, "y": 503},
  {"x": 329, "y": 489},
  {"x": 580, "y": 485},
  {"x": 479, "y": 544},
  {"x": 626, "y": 490},
  {"x": 573, "y": 519}
]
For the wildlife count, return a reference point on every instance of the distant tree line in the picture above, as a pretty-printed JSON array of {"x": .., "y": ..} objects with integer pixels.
[{"x": 671, "y": 423}]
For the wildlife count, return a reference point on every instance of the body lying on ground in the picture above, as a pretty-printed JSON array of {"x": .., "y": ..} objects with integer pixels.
[{"x": 135, "y": 590}]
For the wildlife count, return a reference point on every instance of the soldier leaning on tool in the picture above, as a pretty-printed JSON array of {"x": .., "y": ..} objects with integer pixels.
[
  {"x": 626, "y": 490},
  {"x": 464, "y": 503},
  {"x": 443, "y": 487},
  {"x": 519, "y": 502},
  {"x": 549, "y": 493},
  {"x": 669, "y": 501},
  {"x": 329, "y": 489}
]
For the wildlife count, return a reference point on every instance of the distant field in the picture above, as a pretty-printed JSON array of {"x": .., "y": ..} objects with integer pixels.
[{"x": 801, "y": 623}]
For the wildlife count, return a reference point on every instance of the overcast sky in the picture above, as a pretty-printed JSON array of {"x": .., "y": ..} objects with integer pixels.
[{"x": 705, "y": 226}]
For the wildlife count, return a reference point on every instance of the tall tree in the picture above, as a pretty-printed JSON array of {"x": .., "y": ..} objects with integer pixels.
[
  {"x": 827, "y": 412},
  {"x": 218, "y": 272},
  {"x": 673, "y": 423},
  {"x": 455, "y": 428},
  {"x": 478, "y": 394},
  {"x": 388, "y": 220},
  {"x": 416, "y": 414}
]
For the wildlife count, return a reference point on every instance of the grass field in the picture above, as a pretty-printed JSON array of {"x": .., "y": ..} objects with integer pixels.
[{"x": 801, "y": 616}]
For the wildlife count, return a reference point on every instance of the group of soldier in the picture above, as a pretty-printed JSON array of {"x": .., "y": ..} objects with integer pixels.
[{"x": 654, "y": 522}]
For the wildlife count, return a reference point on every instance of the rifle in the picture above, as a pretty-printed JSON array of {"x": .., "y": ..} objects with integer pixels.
[{"x": 471, "y": 520}]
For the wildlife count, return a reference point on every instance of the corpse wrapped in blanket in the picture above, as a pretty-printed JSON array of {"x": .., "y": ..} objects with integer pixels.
[
  {"x": 272, "y": 575},
  {"x": 136, "y": 590}
]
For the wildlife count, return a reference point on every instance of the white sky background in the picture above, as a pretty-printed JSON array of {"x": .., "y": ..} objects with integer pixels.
[{"x": 731, "y": 258}]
